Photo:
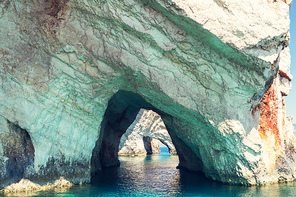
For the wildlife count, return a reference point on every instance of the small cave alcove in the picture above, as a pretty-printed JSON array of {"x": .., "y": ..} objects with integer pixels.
[{"x": 19, "y": 151}]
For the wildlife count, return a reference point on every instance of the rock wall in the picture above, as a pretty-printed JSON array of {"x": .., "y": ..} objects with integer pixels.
[
  {"x": 147, "y": 124},
  {"x": 74, "y": 74}
]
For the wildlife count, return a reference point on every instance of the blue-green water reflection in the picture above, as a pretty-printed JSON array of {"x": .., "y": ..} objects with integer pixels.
[{"x": 157, "y": 175}]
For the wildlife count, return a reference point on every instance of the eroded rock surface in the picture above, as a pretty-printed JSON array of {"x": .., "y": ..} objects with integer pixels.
[
  {"x": 74, "y": 74},
  {"x": 147, "y": 125},
  {"x": 26, "y": 185},
  {"x": 151, "y": 145}
]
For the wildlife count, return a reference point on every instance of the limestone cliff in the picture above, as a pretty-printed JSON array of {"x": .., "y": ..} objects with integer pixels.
[
  {"x": 147, "y": 124},
  {"x": 74, "y": 74}
]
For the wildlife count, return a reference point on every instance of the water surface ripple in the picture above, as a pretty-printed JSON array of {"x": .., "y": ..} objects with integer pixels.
[{"x": 157, "y": 175}]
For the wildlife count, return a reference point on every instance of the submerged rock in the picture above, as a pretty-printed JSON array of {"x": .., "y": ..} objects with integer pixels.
[
  {"x": 74, "y": 74},
  {"x": 143, "y": 135}
]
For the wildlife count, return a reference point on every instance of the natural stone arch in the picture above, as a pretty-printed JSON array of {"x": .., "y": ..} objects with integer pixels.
[
  {"x": 151, "y": 145},
  {"x": 146, "y": 124},
  {"x": 207, "y": 76},
  {"x": 172, "y": 150},
  {"x": 120, "y": 113}
]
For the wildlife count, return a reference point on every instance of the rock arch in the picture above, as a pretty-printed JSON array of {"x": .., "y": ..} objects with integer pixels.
[
  {"x": 120, "y": 113},
  {"x": 151, "y": 145},
  {"x": 213, "y": 76},
  {"x": 146, "y": 124}
]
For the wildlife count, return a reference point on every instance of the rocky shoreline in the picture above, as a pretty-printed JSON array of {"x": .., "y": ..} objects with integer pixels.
[{"x": 26, "y": 185}]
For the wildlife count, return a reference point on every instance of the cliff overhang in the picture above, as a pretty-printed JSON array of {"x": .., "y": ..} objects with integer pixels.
[{"x": 216, "y": 71}]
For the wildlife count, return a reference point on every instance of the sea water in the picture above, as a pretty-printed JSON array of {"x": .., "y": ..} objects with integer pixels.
[{"x": 156, "y": 175}]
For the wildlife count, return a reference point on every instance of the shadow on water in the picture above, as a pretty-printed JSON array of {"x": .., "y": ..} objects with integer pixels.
[
  {"x": 156, "y": 175},
  {"x": 140, "y": 176}
]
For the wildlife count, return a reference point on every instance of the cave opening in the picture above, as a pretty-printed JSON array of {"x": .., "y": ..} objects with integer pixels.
[
  {"x": 19, "y": 151},
  {"x": 164, "y": 148},
  {"x": 120, "y": 114},
  {"x": 145, "y": 135}
]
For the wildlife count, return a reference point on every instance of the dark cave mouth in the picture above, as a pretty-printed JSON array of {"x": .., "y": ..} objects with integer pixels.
[
  {"x": 19, "y": 149},
  {"x": 122, "y": 110}
]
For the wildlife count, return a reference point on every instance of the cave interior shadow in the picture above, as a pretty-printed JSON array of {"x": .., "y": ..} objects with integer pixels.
[{"x": 122, "y": 110}]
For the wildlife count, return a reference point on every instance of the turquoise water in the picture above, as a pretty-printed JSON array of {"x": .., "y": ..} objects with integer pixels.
[{"x": 157, "y": 175}]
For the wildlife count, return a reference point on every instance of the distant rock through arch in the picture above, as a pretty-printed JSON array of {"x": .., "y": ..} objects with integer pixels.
[{"x": 146, "y": 124}]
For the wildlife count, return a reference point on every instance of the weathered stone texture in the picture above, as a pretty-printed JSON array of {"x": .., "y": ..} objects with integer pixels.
[
  {"x": 74, "y": 74},
  {"x": 151, "y": 145}
]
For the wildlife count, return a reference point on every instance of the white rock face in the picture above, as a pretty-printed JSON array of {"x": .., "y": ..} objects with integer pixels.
[
  {"x": 258, "y": 28},
  {"x": 146, "y": 124},
  {"x": 74, "y": 74}
]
